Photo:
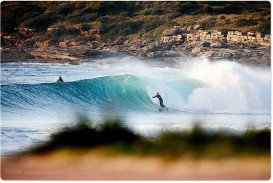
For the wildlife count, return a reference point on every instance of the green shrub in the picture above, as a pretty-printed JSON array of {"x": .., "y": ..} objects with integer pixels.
[
  {"x": 41, "y": 22},
  {"x": 264, "y": 27},
  {"x": 207, "y": 24},
  {"x": 112, "y": 7},
  {"x": 66, "y": 9},
  {"x": 115, "y": 27},
  {"x": 62, "y": 31},
  {"x": 79, "y": 38},
  {"x": 227, "y": 9},
  {"x": 90, "y": 38},
  {"x": 149, "y": 25},
  {"x": 160, "y": 29},
  {"x": 86, "y": 27},
  {"x": 188, "y": 7},
  {"x": 123, "y": 13},
  {"x": 93, "y": 6},
  {"x": 153, "y": 12},
  {"x": 174, "y": 15},
  {"x": 245, "y": 22},
  {"x": 129, "y": 28},
  {"x": 103, "y": 19},
  {"x": 80, "y": 5},
  {"x": 14, "y": 13},
  {"x": 86, "y": 18}
]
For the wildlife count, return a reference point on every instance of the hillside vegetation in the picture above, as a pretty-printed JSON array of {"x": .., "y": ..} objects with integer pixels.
[{"x": 131, "y": 20}]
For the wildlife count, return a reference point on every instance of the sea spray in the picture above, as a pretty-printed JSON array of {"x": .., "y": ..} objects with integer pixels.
[
  {"x": 231, "y": 87},
  {"x": 199, "y": 86},
  {"x": 216, "y": 95}
]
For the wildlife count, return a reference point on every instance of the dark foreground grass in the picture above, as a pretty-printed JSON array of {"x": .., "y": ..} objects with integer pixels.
[
  {"x": 201, "y": 143},
  {"x": 195, "y": 143}
]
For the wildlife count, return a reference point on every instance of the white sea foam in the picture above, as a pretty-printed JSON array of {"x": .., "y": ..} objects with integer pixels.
[{"x": 216, "y": 95}]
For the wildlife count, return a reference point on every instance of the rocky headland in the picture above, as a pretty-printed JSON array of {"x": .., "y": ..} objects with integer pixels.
[
  {"x": 77, "y": 32},
  {"x": 158, "y": 51}
]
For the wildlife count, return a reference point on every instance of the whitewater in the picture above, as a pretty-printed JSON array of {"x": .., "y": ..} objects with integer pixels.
[{"x": 220, "y": 95}]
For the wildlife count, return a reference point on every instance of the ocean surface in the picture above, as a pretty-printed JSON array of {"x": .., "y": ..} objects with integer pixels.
[{"x": 221, "y": 95}]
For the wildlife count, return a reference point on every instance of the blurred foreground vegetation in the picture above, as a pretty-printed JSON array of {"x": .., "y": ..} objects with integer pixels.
[{"x": 195, "y": 143}]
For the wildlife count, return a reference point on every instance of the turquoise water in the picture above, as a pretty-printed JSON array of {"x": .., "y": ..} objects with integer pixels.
[{"x": 218, "y": 96}]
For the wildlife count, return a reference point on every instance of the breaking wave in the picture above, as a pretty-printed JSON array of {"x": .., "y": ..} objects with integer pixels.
[{"x": 221, "y": 87}]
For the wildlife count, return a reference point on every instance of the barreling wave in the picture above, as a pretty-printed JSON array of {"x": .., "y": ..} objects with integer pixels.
[
  {"x": 123, "y": 92},
  {"x": 200, "y": 88},
  {"x": 216, "y": 95}
]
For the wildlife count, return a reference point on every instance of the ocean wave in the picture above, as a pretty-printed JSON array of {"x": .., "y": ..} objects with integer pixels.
[
  {"x": 199, "y": 87},
  {"x": 122, "y": 92}
]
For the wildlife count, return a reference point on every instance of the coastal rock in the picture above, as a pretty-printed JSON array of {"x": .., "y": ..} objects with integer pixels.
[
  {"x": 93, "y": 53},
  {"x": 205, "y": 44},
  {"x": 170, "y": 54},
  {"x": 238, "y": 54},
  {"x": 189, "y": 46},
  {"x": 197, "y": 27},
  {"x": 172, "y": 31},
  {"x": 196, "y": 50},
  {"x": 154, "y": 55},
  {"x": 150, "y": 47},
  {"x": 208, "y": 54},
  {"x": 189, "y": 28},
  {"x": 119, "y": 42},
  {"x": 218, "y": 45},
  {"x": 11, "y": 54},
  {"x": 150, "y": 55},
  {"x": 184, "y": 28},
  {"x": 40, "y": 44},
  {"x": 213, "y": 50},
  {"x": 226, "y": 55},
  {"x": 253, "y": 46},
  {"x": 103, "y": 53}
]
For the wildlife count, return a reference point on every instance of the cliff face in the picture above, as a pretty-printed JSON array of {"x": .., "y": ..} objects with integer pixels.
[{"x": 133, "y": 27}]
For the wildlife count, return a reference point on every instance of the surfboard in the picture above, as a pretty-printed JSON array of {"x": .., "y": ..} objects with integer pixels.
[{"x": 163, "y": 109}]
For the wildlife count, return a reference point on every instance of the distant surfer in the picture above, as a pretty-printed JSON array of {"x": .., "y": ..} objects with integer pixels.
[
  {"x": 60, "y": 80},
  {"x": 160, "y": 100}
]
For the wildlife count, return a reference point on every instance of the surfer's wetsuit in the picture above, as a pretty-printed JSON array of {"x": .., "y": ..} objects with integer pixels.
[
  {"x": 60, "y": 80},
  {"x": 160, "y": 100}
]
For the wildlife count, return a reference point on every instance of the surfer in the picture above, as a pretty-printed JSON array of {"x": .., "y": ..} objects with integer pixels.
[
  {"x": 160, "y": 100},
  {"x": 60, "y": 80}
]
